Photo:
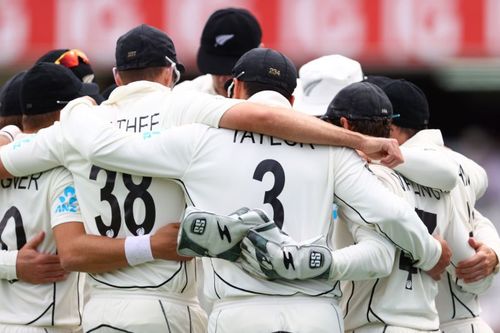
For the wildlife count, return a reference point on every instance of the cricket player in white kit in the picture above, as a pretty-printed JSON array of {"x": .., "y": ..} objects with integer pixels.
[
  {"x": 322, "y": 78},
  {"x": 122, "y": 206},
  {"x": 458, "y": 305},
  {"x": 368, "y": 306},
  {"x": 267, "y": 76},
  {"x": 262, "y": 172},
  {"x": 30, "y": 204},
  {"x": 40, "y": 203},
  {"x": 160, "y": 294}
]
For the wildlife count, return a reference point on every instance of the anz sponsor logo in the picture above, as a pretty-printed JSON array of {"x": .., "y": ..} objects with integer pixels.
[{"x": 68, "y": 202}]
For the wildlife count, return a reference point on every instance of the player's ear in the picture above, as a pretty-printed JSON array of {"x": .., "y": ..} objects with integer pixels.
[
  {"x": 171, "y": 76},
  {"x": 116, "y": 76},
  {"x": 239, "y": 90},
  {"x": 345, "y": 123}
]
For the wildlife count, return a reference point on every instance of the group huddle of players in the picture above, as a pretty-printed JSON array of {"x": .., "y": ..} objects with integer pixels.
[{"x": 254, "y": 198}]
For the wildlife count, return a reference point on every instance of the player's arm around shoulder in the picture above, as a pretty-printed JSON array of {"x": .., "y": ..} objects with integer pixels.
[
  {"x": 471, "y": 173},
  {"x": 295, "y": 126},
  {"x": 79, "y": 251},
  {"x": 7, "y": 135},
  {"x": 362, "y": 196},
  {"x": 372, "y": 255},
  {"x": 429, "y": 167},
  {"x": 32, "y": 153}
]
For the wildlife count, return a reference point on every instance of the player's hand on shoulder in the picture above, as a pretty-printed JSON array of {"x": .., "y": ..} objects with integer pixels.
[
  {"x": 38, "y": 268},
  {"x": 443, "y": 261},
  {"x": 383, "y": 149},
  {"x": 269, "y": 253},
  {"x": 164, "y": 243},
  {"x": 205, "y": 234},
  {"x": 480, "y": 265}
]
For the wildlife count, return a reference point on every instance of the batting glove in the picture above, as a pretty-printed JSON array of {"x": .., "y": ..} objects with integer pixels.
[
  {"x": 269, "y": 253},
  {"x": 204, "y": 234}
]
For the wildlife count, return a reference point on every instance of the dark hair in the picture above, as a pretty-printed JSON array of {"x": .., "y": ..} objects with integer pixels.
[
  {"x": 409, "y": 131},
  {"x": 147, "y": 74},
  {"x": 11, "y": 120},
  {"x": 33, "y": 123},
  {"x": 255, "y": 87},
  {"x": 380, "y": 128}
]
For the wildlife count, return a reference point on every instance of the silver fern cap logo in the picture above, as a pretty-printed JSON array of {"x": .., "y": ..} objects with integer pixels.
[{"x": 220, "y": 40}]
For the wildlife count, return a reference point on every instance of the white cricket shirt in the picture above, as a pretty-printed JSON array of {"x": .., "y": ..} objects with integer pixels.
[
  {"x": 223, "y": 170},
  {"x": 28, "y": 205},
  {"x": 121, "y": 205},
  {"x": 406, "y": 298},
  {"x": 455, "y": 301},
  {"x": 202, "y": 83}
]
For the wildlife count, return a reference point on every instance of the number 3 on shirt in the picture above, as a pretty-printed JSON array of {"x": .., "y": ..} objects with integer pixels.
[
  {"x": 136, "y": 191},
  {"x": 271, "y": 196}
]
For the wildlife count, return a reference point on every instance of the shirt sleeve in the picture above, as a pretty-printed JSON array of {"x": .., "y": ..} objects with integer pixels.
[
  {"x": 473, "y": 174},
  {"x": 34, "y": 153},
  {"x": 8, "y": 264},
  {"x": 364, "y": 200},
  {"x": 372, "y": 255},
  {"x": 429, "y": 167},
  {"x": 200, "y": 108},
  {"x": 165, "y": 154},
  {"x": 457, "y": 235},
  {"x": 64, "y": 203}
]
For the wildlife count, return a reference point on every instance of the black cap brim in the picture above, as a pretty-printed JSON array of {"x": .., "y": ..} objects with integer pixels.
[
  {"x": 92, "y": 90},
  {"x": 89, "y": 89},
  {"x": 215, "y": 64}
]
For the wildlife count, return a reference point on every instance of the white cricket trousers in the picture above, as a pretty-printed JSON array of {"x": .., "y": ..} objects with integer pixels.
[
  {"x": 267, "y": 314},
  {"x": 136, "y": 314},
  {"x": 381, "y": 328},
  {"x": 473, "y": 325},
  {"x": 34, "y": 329}
]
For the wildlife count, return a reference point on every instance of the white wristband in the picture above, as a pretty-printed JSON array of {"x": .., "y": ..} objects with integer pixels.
[
  {"x": 8, "y": 260},
  {"x": 138, "y": 249},
  {"x": 10, "y": 132}
]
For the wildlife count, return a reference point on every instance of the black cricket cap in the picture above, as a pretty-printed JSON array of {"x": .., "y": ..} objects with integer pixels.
[
  {"x": 227, "y": 35},
  {"x": 10, "y": 96},
  {"x": 360, "y": 101},
  {"x": 48, "y": 87},
  {"x": 145, "y": 46},
  {"x": 269, "y": 67},
  {"x": 82, "y": 70},
  {"x": 378, "y": 80},
  {"x": 409, "y": 101}
]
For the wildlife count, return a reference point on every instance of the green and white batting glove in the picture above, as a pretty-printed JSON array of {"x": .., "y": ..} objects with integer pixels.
[
  {"x": 269, "y": 253},
  {"x": 205, "y": 234}
]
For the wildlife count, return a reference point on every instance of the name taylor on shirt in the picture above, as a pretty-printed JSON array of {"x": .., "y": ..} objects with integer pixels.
[{"x": 250, "y": 137}]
